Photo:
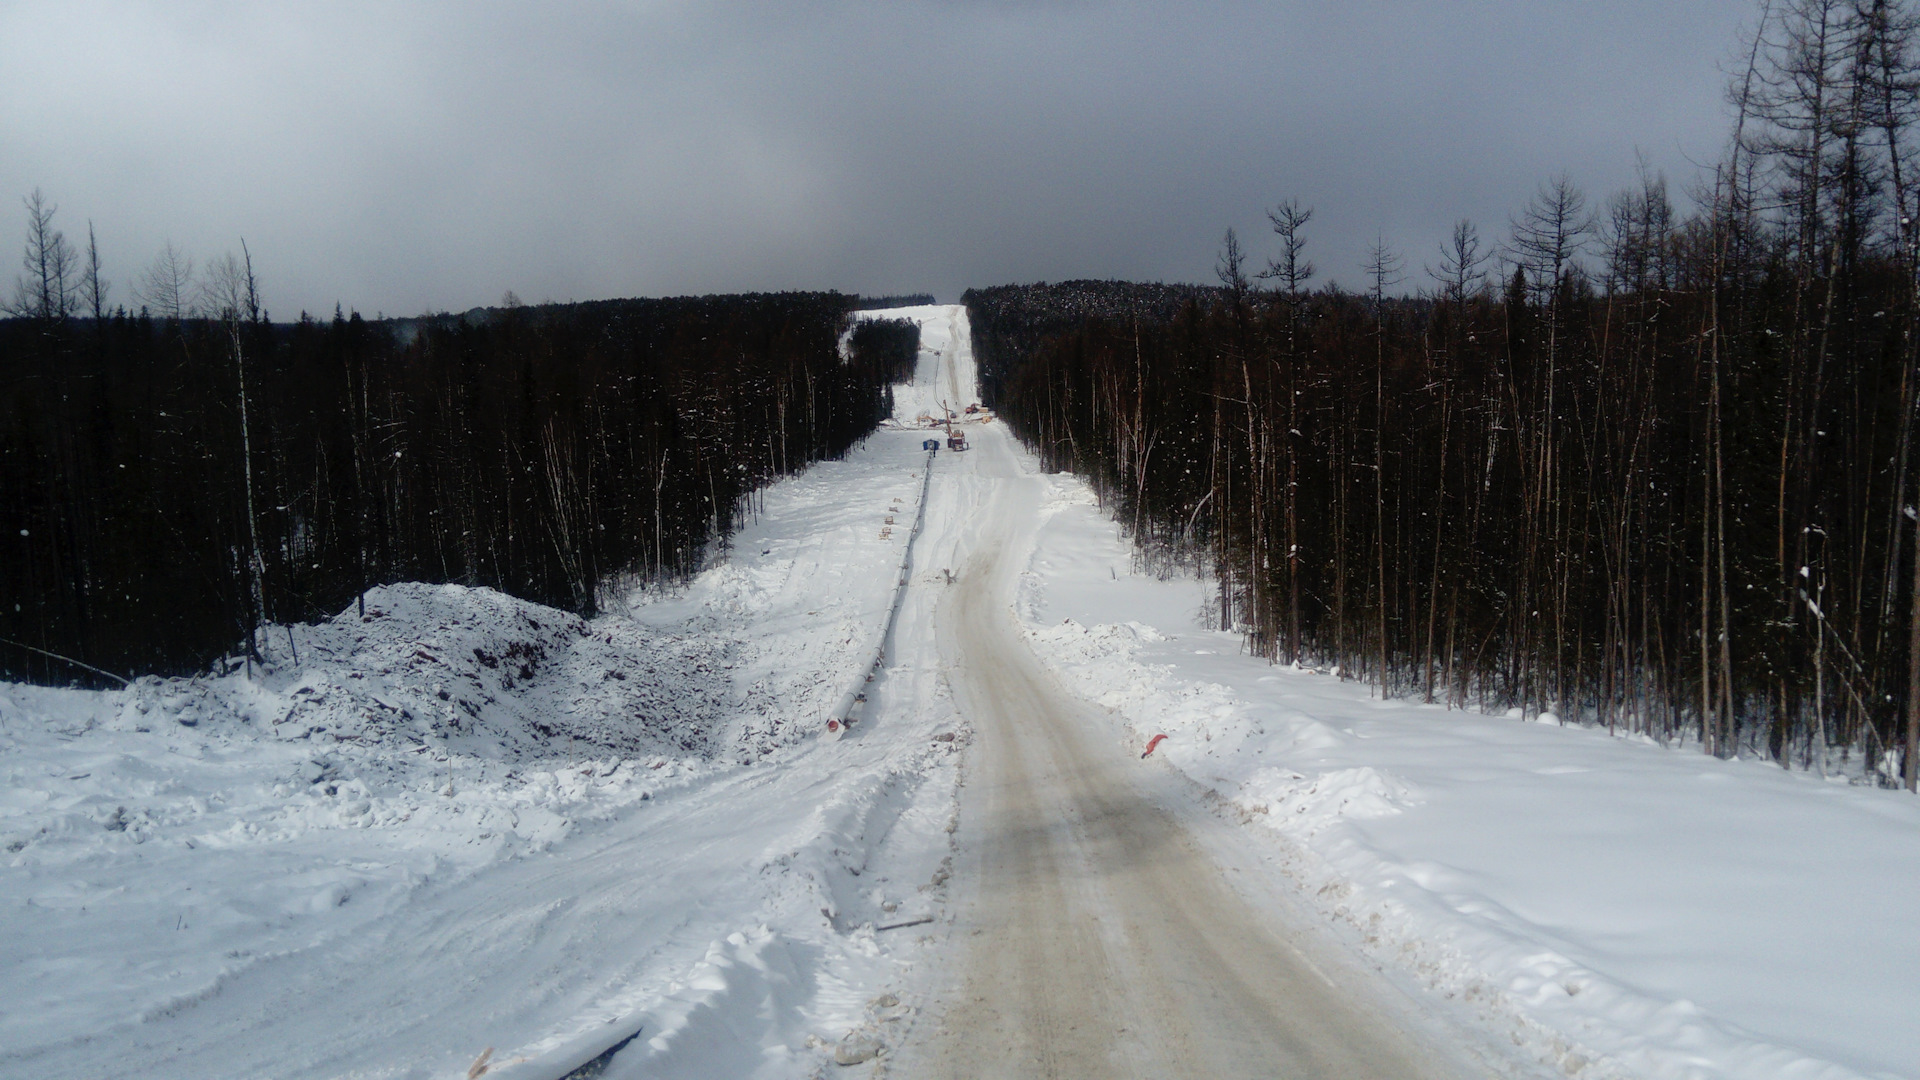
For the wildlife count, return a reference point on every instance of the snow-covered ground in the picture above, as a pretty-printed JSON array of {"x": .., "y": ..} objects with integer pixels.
[
  {"x": 464, "y": 821},
  {"x": 947, "y": 379},
  {"x": 1629, "y": 910}
]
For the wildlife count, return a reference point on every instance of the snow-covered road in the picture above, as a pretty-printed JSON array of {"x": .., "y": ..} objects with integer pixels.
[
  {"x": 1115, "y": 925},
  {"x": 1534, "y": 899}
]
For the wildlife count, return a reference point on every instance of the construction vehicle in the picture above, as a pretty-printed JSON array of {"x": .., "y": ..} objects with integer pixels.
[{"x": 956, "y": 440}]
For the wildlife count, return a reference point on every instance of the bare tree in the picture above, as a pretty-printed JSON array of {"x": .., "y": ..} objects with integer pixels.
[
  {"x": 1383, "y": 268},
  {"x": 1893, "y": 103},
  {"x": 93, "y": 288},
  {"x": 228, "y": 292},
  {"x": 1795, "y": 86},
  {"x": 46, "y": 290},
  {"x": 1549, "y": 236},
  {"x": 1638, "y": 232},
  {"x": 166, "y": 285},
  {"x": 1231, "y": 268},
  {"x": 1547, "y": 240},
  {"x": 1462, "y": 270},
  {"x": 1290, "y": 270}
]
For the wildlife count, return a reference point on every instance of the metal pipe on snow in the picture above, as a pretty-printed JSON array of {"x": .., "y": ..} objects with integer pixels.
[{"x": 855, "y": 697}]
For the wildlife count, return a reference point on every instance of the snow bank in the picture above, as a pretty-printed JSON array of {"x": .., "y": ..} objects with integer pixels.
[{"x": 1625, "y": 909}]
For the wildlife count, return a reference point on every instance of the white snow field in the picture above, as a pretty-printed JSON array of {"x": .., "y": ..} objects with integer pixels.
[{"x": 464, "y": 824}]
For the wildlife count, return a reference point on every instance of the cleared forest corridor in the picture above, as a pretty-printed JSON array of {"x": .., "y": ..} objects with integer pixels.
[{"x": 635, "y": 826}]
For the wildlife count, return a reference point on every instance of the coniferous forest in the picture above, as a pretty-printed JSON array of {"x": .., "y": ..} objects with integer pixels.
[
  {"x": 176, "y": 481},
  {"x": 1635, "y": 465}
]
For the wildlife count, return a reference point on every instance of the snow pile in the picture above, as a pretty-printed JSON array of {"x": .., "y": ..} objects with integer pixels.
[
  {"x": 161, "y": 839},
  {"x": 1078, "y": 648},
  {"x": 695, "y": 1031},
  {"x": 1304, "y": 805},
  {"x": 1622, "y": 908},
  {"x": 161, "y": 842},
  {"x": 475, "y": 667}
]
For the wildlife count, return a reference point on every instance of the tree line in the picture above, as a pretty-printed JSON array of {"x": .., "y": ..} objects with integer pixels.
[
  {"x": 176, "y": 478},
  {"x": 892, "y": 346},
  {"x": 1639, "y": 466},
  {"x": 874, "y": 303}
]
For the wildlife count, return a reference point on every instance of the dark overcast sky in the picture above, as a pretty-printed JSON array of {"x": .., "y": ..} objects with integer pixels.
[{"x": 419, "y": 156}]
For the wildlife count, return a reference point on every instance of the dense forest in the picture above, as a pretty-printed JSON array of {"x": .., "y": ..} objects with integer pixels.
[
  {"x": 875, "y": 303},
  {"x": 175, "y": 479},
  {"x": 888, "y": 348},
  {"x": 1637, "y": 465}
]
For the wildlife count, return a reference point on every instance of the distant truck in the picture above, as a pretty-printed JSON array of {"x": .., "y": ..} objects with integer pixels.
[{"x": 956, "y": 440}]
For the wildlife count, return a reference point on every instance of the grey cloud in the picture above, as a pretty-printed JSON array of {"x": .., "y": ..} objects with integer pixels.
[{"x": 431, "y": 155}]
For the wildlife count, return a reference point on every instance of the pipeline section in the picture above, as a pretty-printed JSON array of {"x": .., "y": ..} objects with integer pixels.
[{"x": 853, "y": 703}]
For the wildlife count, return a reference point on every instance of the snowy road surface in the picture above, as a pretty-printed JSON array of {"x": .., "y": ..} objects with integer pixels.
[{"x": 1103, "y": 937}]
